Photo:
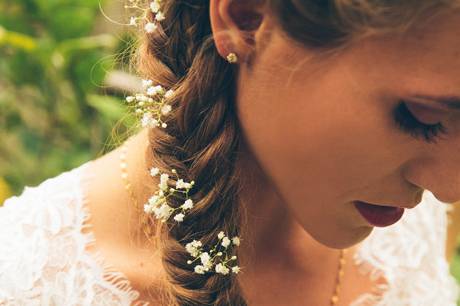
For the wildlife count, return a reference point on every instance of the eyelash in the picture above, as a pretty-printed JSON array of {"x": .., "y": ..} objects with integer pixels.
[{"x": 411, "y": 125}]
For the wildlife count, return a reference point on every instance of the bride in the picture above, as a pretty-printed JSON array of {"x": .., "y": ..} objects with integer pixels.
[{"x": 289, "y": 153}]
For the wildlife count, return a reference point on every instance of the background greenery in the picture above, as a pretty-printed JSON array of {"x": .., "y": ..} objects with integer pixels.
[
  {"x": 59, "y": 98},
  {"x": 56, "y": 109}
]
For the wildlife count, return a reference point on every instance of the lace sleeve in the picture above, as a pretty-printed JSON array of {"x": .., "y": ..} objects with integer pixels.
[{"x": 43, "y": 260}]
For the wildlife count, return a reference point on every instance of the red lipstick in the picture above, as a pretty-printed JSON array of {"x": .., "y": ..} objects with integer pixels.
[{"x": 378, "y": 215}]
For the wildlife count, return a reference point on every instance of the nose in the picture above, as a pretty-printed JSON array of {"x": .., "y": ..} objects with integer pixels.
[
  {"x": 449, "y": 191},
  {"x": 440, "y": 177},
  {"x": 418, "y": 198}
]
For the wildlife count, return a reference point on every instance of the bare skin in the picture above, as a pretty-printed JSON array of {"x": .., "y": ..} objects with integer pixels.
[{"x": 318, "y": 135}]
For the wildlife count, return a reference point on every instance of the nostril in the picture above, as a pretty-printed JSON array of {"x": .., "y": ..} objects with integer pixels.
[{"x": 419, "y": 196}]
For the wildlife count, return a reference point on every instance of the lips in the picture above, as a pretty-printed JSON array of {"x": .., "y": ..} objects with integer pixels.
[{"x": 379, "y": 215}]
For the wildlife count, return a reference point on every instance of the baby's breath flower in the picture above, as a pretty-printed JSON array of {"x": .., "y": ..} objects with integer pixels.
[
  {"x": 154, "y": 171},
  {"x": 236, "y": 269},
  {"x": 211, "y": 258},
  {"x": 153, "y": 199},
  {"x": 199, "y": 269},
  {"x": 163, "y": 212},
  {"x": 180, "y": 184},
  {"x": 205, "y": 258},
  {"x": 148, "y": 120},
  {"x": 179, "y": 217},
  {"x": 164, "y": 181},
  {"x": 151, "y": 104},
  {"x": 141, "y": 97},
  {"x": 166, "y": 109},
  {"x": 155, "y": 6},
  {"x": 187, "y": 204},
  {"x": 225, "y": 242},
  {"x": 132, "y": 21},
  {"x": 157, "y": 204},
  {"x": 146, "y": 83},
  {"x": 169, "y": 94},
  {"x": 159, "y": 16},
  {"x": 148, "y": 208},
  {"x": 193, "y": 248},
  {"x": 150, "y": 27},
  {"x": 153, "y": 90},
  {"x": 220, "y": 268}
]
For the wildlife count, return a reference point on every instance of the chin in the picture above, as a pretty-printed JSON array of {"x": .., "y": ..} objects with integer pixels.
[{"x": 345, "y": 238}]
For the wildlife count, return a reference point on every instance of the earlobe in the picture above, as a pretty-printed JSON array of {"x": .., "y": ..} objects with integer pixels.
[{"x": 234, "y": 24}]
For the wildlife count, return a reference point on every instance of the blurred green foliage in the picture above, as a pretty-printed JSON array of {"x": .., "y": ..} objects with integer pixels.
[
  {"x": 55, "y": 113},
  {"x": 455, "y": 268}
]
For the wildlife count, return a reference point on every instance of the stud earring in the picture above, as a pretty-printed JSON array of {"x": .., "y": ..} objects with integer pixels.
[{"x": 232, "y": 58}]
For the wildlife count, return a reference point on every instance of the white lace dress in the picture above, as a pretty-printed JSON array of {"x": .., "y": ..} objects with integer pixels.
[{"x": 43, "y": 257}]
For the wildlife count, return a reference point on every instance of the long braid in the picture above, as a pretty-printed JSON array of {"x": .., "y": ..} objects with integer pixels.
[{"x": 200, "y": 142}]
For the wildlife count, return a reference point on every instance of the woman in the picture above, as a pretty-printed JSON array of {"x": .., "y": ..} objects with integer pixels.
[{"x": 314, "y": 132}]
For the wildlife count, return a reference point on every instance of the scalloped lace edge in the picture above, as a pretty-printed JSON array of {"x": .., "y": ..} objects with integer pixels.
[
  {"x": 112, "y": 276},
  {"x": 381, "y": 288}
]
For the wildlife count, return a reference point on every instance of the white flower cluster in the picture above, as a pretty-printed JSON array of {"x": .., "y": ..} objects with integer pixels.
[
  {"x": 151, "y": 104},
  {"x": 210, "y": 259},
  {"x": 155, "y": 7},
  {"x": 158, "y": 205}
]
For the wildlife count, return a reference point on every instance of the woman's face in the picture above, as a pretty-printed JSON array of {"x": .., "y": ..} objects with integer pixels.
[{"x": 323, "y": 133}]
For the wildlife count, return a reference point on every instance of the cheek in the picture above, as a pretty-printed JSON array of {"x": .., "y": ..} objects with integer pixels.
[{"x": 320, "y": 146}]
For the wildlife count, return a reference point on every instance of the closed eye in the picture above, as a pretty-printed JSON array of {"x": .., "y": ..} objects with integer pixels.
[{"x": 408, "y": 123}]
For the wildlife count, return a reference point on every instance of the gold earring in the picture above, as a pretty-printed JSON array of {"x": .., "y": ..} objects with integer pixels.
[{"x": 232, "y": 58}]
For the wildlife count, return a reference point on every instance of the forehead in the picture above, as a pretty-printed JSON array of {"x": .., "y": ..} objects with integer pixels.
[{"x": 427, "y": 55}]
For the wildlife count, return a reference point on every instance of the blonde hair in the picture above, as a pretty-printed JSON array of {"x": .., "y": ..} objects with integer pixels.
[{"x": 203, "y": 135}]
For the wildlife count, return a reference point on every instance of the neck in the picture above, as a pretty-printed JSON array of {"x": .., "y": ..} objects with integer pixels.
[
  {"x": 143, "y": 186},
  {"x": 273, "y": 233}
]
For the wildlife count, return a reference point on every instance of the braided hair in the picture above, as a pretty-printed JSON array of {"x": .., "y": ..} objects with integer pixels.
[{"x": 200, "y": 143}]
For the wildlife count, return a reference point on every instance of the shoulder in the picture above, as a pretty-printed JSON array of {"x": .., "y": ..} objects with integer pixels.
[
  {"x": 37, "y": 233},
  {"x": 32, "y": 205}
]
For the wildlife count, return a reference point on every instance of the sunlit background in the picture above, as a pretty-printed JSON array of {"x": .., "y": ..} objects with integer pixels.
[
  {"x": 64, "y": 73},
  {"x": 63, "y": 77}
]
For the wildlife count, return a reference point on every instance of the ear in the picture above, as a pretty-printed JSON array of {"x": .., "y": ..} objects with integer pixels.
[{"x": 235, "y": 25}]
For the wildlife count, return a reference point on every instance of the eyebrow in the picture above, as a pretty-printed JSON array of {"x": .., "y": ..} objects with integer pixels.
[{"x": 451, "y": 102}]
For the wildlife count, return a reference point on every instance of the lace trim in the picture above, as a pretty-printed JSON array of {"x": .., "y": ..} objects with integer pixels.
[
  {"x": 407, "y": 261},
  {"x": 113, "y": 277}
]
